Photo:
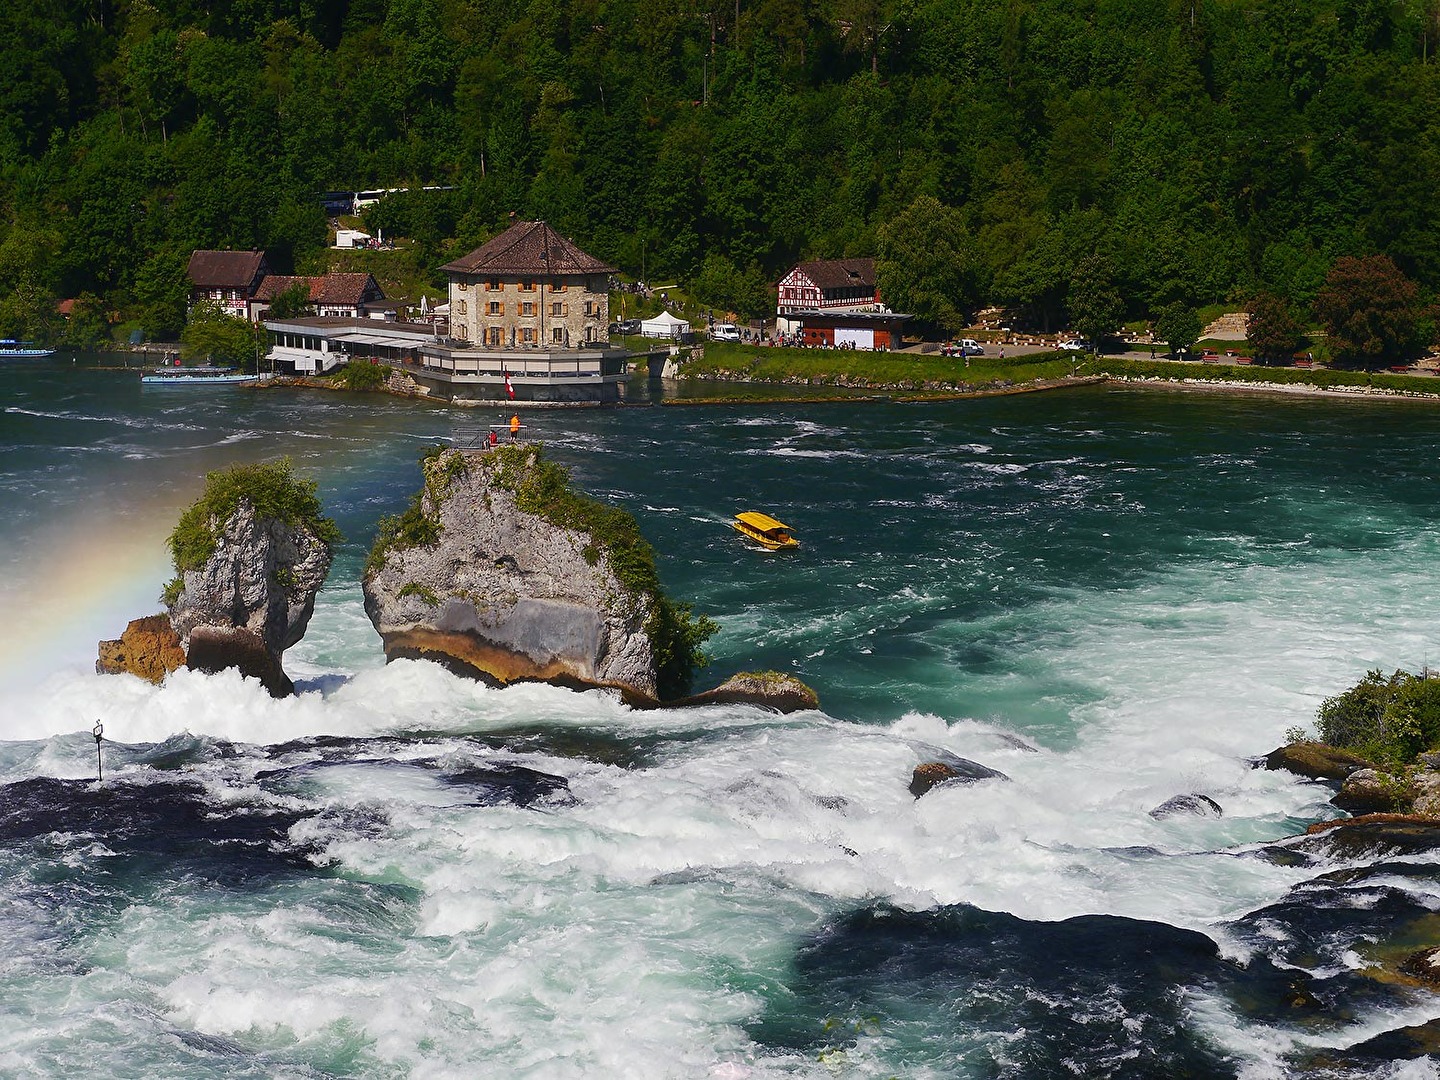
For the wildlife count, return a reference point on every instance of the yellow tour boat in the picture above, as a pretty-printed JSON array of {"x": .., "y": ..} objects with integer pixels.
[{"x": 765, "y": 530}]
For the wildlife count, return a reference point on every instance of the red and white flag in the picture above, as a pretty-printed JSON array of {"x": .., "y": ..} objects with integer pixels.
[{"x": 508, "y": 388}]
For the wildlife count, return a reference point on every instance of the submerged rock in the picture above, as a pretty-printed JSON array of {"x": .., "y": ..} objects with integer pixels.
[
  {"x": 767, "y": 689},
  {"x": 149, "y": 648},
  {"x": 950, "y": 770},
  {"x": 1315, "y": 760},
  {"x": 1371, "y": 836},
  {"x": 500, "y": 572},
  {"x": 1193, "y": 803},
  {"x": 1424, "y": 965}
]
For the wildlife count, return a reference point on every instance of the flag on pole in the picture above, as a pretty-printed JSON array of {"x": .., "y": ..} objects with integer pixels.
[{"x": 508, "y": 388}]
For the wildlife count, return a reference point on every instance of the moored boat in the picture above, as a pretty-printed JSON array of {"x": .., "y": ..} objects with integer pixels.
[
  {"x": 764, "y": 530},
  {"x": 11, "y": 347},
  {"x": 200, "y": 375}
]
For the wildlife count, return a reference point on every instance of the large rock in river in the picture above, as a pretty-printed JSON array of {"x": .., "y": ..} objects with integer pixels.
[
  {"x": 500, "y": 572},
  {"x": 250, "y": 557}
]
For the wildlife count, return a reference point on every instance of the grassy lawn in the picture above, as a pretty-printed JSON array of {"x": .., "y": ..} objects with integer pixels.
[
  {"x": 908, "y": 372},
  {"x": 890, "y": 371},
  {"x": 1174, "y": 369}
]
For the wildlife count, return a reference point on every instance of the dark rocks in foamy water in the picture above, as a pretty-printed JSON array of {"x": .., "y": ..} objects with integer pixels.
[
  {"x": 499, "y": 571},
  {"x": 1370, "y": 836},
  {"x": 1373, "y": 1056},
  {"x": 952, "y": 770},
  {"x": 1424, "y": 965},
  {"x": 149, "y": 648},
  {"x": 766, "y": 689},
  {"x": 1193, "y": 803},
  {"x": 1315, "y": 760}
]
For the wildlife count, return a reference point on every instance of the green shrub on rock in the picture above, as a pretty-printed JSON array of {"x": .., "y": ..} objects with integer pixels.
[
  {"x": 358, "y": 375},
  {"x": 272, "y": 490},
  {"x": 1391, "y": 719}
]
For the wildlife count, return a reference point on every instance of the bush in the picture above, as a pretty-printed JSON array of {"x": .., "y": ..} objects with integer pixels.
[
  {"x": 1388, "y": 720},
  {"x": 359, "y": 375},
  {"x": 272, "y": 490}
]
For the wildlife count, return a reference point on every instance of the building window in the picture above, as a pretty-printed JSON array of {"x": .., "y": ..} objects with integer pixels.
[
  {"x": 557, "y": 335},
  {"x": 591, "y": 308},
  {"x": 493, "y": 286},
  {"x": 527, "y": 335},
  {"x": 557, "y": 308},
  {"x": 494, "y": 335},
  {"x": 463, "y": 284},
  {"x": 527, "y": 286},
  {"x": 497, "y": 307},
  {"x": 557, "y": 286},
  {"x": 462, "y": 307},
  {"x": 527, "y": 307},
  {"x": 461, "y": 333}
]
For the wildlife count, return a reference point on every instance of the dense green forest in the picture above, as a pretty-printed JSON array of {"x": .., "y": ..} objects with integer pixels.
[{"x": 1202, "y": 150}]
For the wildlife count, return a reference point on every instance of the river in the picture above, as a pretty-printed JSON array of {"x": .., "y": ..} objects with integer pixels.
[{"x": 1111, "y": 596}]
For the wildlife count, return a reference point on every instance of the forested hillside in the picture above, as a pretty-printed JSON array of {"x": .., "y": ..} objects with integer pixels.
[{"x": 1203, "y": 148}]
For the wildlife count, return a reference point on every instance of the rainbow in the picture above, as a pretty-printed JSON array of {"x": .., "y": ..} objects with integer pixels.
[{"x": 76, "y": 581}]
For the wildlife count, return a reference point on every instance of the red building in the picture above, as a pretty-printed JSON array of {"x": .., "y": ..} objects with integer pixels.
[{"x": 836, "y": 302}]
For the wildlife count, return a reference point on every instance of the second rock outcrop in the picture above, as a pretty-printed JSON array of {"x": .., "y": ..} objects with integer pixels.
[{"x": 500, "y": 571}]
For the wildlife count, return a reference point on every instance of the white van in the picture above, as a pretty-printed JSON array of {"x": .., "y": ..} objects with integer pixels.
[{"x": 725, "y": 331}]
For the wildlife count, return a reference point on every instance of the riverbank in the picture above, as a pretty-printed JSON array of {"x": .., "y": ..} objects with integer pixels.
[{"x": 931, "y": 378}]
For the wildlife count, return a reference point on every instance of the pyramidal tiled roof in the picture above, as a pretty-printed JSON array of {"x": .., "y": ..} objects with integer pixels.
[{"x": 528, "y": 247}]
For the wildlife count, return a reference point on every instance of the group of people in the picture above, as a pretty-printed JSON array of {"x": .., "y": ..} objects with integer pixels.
[{"x": 493, "y": 439}]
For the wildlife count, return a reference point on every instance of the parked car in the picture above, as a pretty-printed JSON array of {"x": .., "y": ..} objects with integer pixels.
[
  {"x": 1074, "y": 345},
  {"x": 625, "y": 326},
  {"x": 963, "y": 347},
  {"x": 725, "y": 331}
]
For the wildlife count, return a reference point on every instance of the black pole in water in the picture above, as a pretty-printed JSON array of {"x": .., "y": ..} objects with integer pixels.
[{"x": 99, "y": 732}]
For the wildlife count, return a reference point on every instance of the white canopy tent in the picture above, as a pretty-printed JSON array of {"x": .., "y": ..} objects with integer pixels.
[{"x": 664, "y": 325}]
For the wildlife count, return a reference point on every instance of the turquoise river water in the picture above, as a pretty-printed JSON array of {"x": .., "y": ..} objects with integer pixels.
[{"x": 1112, "y": 597}]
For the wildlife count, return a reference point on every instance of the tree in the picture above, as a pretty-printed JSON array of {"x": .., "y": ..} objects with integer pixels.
[
  {"x": 1178, "y": 326},
  {"x": 88, "y": 326},
  {"x": 212, "y": 334},
  {"x": 1274, "y": 332},
  {"x": 291, "y": 301},
  {"x": 1095, "y": 305},
  {"x": 1370, "y": 310},
  {"x": 925, "y": 265}
]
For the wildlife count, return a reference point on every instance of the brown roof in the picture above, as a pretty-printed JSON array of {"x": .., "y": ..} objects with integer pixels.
[
  {"x": 528, "y": 247},
  {"x": 225, "y": 269},
  {"x": 840, "y": 273},
  {"x": 349, "y": 289}
]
